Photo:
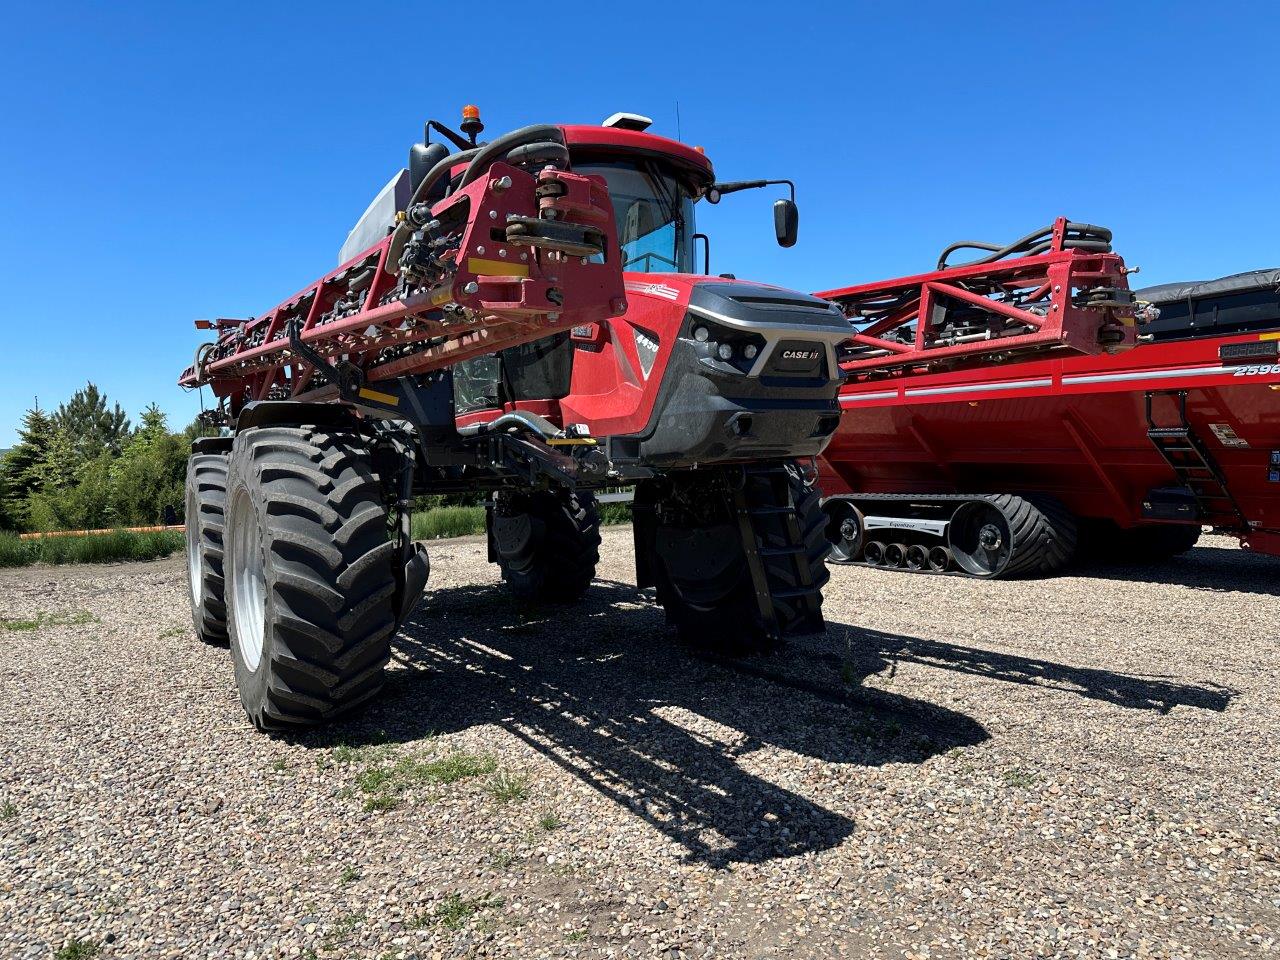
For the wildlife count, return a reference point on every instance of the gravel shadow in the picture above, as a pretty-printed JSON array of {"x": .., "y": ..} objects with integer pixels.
[
  {"x": 869, "y": 652},
  {"x": 602, "y": 689},
  {"x": 1219, "y": 569}
]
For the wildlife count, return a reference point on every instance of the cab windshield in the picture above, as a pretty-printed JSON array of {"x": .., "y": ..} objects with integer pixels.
[{"x": 654, "y": 213}]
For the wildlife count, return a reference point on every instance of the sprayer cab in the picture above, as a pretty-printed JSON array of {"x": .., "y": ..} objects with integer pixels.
[{"x": 696, "y": 369}]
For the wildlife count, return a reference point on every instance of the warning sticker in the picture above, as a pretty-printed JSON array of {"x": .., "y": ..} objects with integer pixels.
[
  {"x": 1227, "y": 436},
  {"x": 1275, "y": 458}
]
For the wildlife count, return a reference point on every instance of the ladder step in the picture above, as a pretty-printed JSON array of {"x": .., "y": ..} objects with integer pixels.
[
  {"x": 791, "y": 592},
  {"x": 780, "y": 552},
  {"x": 768, "y": 511}
]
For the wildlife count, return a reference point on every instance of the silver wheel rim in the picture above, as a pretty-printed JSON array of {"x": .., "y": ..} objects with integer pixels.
[
  {"x": 250, "y": 583},
  {"x": 195, "y": 562}
]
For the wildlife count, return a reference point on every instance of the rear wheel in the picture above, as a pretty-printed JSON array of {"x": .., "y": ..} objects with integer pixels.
[
  {"x": 206, "y": 500},
  {"x": 1008, "y": 536},
  {"x": 310, "y": 579},
  {"x": 547, "y": 543}
]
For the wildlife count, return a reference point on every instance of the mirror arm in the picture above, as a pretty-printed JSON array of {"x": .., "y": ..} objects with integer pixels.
[
  {"x": 734, "y": 186},
  {"x": 706, "y": 252}
]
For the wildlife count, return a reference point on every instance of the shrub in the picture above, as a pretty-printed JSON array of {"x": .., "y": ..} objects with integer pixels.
[
  {"x": 117, "y": 546},
  {"x": 441, "y": 522}
]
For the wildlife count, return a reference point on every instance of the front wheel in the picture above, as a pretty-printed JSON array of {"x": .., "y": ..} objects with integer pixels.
[
  {"x": 310, "y": 577},
  {"x": 695, "y": 554}
]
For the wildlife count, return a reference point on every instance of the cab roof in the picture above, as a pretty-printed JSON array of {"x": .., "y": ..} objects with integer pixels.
[{"x": 635, "y": 141}]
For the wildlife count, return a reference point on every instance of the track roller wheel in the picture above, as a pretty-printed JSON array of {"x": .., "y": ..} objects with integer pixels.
[
  {"x": 546, "y": 542},
  {"x": 895, "y": 555},
  {"x": 873, "y": 553},
  {"x": 206, "y": 502},
  {"x": 939, "y": 559},
  {"x": 1008, "y": 536},
  {"x": 310, "y": 580},
  {"x": 845, "y": 530},
  {"x": 917, "y": 557}
]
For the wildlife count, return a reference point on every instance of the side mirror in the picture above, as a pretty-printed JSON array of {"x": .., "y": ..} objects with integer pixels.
[
  {"x": 786, "y": 222},
  {"x": 713, "y": 195}
]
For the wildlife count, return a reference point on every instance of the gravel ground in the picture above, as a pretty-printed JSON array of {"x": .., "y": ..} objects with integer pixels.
[{"x": 1082, "y": 767}]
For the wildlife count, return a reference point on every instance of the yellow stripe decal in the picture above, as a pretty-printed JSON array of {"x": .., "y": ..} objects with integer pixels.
[
  {"x": 496, "y": 268},
  {"x": 571, "y": 442},
  {"x": 374, "y": 395},
  {"x": 1269, "y": 336}
]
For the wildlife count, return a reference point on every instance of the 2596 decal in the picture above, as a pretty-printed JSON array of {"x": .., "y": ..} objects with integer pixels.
[{"x": 1257, "y": 369}]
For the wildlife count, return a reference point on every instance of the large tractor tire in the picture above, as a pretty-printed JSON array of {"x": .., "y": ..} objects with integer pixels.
[
  {"x": 310, "y": 580},
  {"x": 547, "y": 544},
  {"x": 1005, "y": 536},
  {"x": 702, "y": 573},
  {"x": 206, "y": 501}
]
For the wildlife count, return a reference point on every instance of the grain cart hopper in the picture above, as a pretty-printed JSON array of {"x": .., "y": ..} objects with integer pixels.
[{"x": 1001, "y": 470}]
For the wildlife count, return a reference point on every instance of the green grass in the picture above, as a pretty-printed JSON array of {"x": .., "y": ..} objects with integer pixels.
[
  {"x": 455, "y": 910},
  {"x": 103, "y": 548},
  {"x": 509, "y": 787},
  {"x": 8, "y": 810},
  {"x": 549, "y": 820},
  {"x": 1019, "y": 778},
  {"x": 349, "y": 875},
  {"x": 77, "y": 949},
  {"x": 441, "y": 522},
  {"x": 385, "y": 779},
  {"x": 615, "y": 513},
  {"x": 30, "y": 625}
]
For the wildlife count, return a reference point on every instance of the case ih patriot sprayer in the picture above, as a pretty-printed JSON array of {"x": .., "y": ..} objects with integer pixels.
[
  {"x": 1001, "y": 470},
  {"x": 520, "y": 318}
]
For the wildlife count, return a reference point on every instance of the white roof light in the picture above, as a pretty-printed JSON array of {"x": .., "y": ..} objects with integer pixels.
[{"x": 628, "y": 121}]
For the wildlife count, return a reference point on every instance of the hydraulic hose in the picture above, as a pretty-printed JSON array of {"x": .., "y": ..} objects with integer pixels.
[
  {"x": 1080, "y": 236},
  {"x": 478, "y": 158},
  {"x": 521, "y": 419},
  {"x": 441, "y": 169},
  {"x": 490, "y": 152}
]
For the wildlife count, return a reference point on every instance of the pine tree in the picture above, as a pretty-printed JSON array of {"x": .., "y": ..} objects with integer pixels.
[
  {"x": 91, "y": 425},
  {"x": 24, "y": 464}
]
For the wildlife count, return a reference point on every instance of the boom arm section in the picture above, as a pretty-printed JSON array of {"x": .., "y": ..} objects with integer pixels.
[
  {"x": 1066, "y": 290},
  {"x": 511, "y": 255}
]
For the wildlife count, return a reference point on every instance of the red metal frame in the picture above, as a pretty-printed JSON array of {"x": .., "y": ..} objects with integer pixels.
[
  {"x": 509, "y": 292},
  {"x": 1069, "y": 426},
  {"x": 1052, "y": 282}
]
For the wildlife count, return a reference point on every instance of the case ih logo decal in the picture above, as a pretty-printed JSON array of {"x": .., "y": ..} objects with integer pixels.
[
  {"x": 799, "y": 354},
  {"x": 653, "y": 289}
]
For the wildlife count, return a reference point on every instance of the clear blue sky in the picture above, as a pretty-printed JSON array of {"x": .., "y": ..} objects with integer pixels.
[{"x": 160, "y": 162}]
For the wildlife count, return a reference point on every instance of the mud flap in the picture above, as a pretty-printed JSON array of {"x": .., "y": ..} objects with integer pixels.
[{"x": 413, "y": 581}]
